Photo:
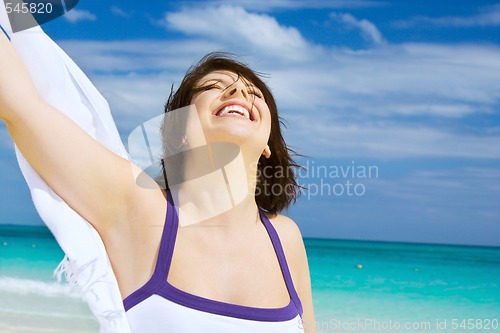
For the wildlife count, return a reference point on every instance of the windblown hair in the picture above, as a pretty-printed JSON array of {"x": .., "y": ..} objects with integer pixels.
[{"x": 276, "y": 185}]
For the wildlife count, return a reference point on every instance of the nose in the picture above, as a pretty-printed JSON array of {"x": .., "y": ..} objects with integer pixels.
[{"x": 238, "y": 88}]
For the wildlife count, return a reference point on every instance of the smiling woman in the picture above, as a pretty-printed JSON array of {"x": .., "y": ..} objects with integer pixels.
[
  {"x": 221, "y": 82},
  {"x": 243, "y": 269}
]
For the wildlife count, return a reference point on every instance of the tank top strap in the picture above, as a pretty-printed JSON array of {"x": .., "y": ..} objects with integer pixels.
[
  {"x": 167, "y": 243},
  {"x": 159, "y": 277},
  {"x": 278, "y": 248}
]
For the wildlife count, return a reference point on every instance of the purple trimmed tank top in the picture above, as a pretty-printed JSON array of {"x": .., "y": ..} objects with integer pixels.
[{"x": 158, "y": 306}]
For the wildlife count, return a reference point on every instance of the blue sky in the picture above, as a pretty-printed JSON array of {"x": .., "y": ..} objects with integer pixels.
[{"x": 411, "y": 89}]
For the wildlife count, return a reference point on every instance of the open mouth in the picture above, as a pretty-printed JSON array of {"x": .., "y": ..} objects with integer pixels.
[{"x": 234, "y": 110}]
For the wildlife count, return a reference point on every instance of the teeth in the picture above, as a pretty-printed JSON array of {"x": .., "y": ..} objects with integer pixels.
[{"x": 236, "y": 110}]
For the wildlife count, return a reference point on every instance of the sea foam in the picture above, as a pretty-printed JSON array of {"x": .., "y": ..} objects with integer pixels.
[{"x": 26, "y": 286}]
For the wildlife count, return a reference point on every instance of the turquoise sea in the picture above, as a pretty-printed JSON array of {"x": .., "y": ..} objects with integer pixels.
[{"x": 358, "y": 286}]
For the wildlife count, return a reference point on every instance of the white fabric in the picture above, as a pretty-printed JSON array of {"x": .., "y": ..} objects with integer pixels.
[
  {"x": 64, "y": 85},
  {"x": 159, "y": 315}
]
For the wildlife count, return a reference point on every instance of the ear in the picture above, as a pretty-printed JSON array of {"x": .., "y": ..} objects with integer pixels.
[{"x": 267, "y": 152}]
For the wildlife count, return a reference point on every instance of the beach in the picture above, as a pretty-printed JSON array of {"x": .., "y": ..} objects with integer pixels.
[
  {"x": 358, "y": 286},
  {"x": 32, "y": 300}
]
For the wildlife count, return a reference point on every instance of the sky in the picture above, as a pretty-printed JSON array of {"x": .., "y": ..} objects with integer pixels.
[{"x": 395, "y": 105}]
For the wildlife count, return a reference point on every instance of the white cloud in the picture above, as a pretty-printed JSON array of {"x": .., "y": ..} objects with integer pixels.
[
  {"x": 393, "y": 101},
  {"x": 324, "y": 137},
  {"x": 368, "y": 30},
  {"x": 119, "y": 12},
  {"x": 77, "y": 15},
  {"x": 137, "y": 55},
  {"x": 337, "y": 102},
  {"x": 404, "y": 80},
  {"x": 267, "y": 5},
  {"x": 488, "y": 17},
  {"x": 135, "y": 99},
  {"x": 236, "y": 27}
]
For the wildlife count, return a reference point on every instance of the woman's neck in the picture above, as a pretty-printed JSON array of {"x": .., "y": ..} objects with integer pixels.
[{"x": 218, "y": 188}]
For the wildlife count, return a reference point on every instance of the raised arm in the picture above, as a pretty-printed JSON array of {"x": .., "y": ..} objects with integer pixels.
[{"x": 95, "y": 182}]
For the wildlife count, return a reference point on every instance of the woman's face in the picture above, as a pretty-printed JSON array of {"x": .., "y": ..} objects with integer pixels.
[{"x": 232, "y": 109}]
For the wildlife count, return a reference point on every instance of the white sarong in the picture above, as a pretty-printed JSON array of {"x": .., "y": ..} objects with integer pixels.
[{"x": 65, "y": 86}]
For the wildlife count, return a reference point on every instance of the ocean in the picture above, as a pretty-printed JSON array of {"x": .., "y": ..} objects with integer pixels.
[
  {"x": 358, "y": 286},
  {"x": 361, "y": 286}
]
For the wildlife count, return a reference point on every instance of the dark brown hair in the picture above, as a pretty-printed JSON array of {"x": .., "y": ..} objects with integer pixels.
[{"x": 276, "y": 187}]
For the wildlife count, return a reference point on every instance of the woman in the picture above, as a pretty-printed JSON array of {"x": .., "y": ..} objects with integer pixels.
[{"x": 230, "y": 269}]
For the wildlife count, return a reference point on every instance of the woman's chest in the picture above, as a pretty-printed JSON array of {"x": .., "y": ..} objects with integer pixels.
[{"x": 242, "y": 271}]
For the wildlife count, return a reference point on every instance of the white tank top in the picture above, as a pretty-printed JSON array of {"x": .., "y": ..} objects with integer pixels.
[{"x": 159, "y": 307}]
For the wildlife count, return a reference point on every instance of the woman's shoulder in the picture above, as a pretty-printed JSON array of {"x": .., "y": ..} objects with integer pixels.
[
  {"x": 287, "y": 229},
  {"x": 290, "y": 236}
]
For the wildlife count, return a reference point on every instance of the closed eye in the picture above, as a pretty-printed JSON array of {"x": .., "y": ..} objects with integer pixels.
[
  {"x": 218, "y": 84},
  {"x": 255, "y": 92},
  {"x": 211, "y": 86}
]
